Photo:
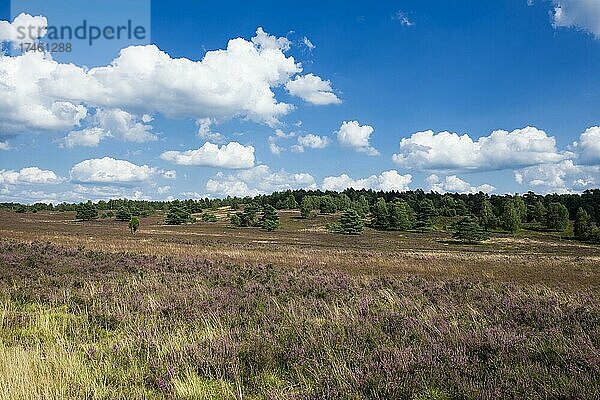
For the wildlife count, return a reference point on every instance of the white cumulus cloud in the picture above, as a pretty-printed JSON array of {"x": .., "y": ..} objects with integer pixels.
[
  {"x": 313, "y": 141},
  {"x": 588, "y": 146},
  {"x": 312, "y": 89},
  {"x": 257, "y": 180},
  {"x": 387, "y": 181},
  {"x": 578, "y": 14},
  {"x": 562, "y": 177},
  {"x": 24, "y": 29},
  {"x": 455, "y": 184},
  {"x": 237, "y": 82},
  {"x": 500, "y": 150},
  {"x": 29, "y": 175},
  {"x": 232, "y": 155},
  {"x": 352, "y": 134},
  {"x": 114, "y": 123},
  {"x": 108, "y": 170}
]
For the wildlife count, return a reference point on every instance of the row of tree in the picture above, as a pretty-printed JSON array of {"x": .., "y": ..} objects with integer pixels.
[
  {"x": 446, "y": 205},
  {"x": 411, "y": 210}
]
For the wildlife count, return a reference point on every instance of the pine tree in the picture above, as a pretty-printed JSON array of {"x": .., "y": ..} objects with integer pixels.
[
  {"x": 290, "y": 202},
  {"x": 209, "y": 217},
  {"x": 557, "y": 217},
  {"x": 380, "y": 215},
  {"x": 269, "y": 219},
  {"x": 327, "y": 205},
  {"x": 134, "y": 224},
  {"x": 123, "y": 214},
  {"x": 520, "y": 207},
  {"x": 343, "y": 202},
  {"x": 350, "y": 223},
  {"x": 86, "y": 212},
  {"x": 510, "y": 219},
  {"x": 306, "y": 207},
  {"x": 177, "y": 215},
  {"x": 401, "y": 216},
  {"x": 426, "y": 215},
  {"x": 487, "y": 218},
  {"x": 362, "y": 206},
  {"x": 583, "y": 225},
  {"x": 248, "y": 216},
  {"x": 235, "y": 220},
  {"x": 468, "y": 230}
]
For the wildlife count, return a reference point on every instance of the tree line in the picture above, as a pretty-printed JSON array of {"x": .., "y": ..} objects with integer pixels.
[{"x": 410, "y": 210}]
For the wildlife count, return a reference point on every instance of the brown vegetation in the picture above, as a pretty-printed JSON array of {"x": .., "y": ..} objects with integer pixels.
[{"x": 529, "y": 257}]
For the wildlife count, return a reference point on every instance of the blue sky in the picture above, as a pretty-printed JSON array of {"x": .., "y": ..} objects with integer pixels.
[{"x": 393, "y": 95}]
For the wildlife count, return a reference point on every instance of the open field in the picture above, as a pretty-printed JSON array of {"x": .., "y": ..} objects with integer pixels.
[
  {"x": 529, "y": 257},
  {"x": 203, "y": 311}
]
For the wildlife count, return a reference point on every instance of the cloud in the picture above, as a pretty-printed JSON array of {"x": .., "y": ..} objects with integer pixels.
[
  {"x": 257, "y": 180},
  {"x": 110, "y": 171},
  {"x": 274, "y": 148},
  {"x": 500, "y": 150},
  {"x": 313, "y": 141},
  {"x": 237, "y": 82},
  {"x": 264, "y": 41},
  {"x": 312, "y": 89},
  {"x": 563, "y": 177},
  {"x": 26, "y": 104},
  {"x": 282, "y": 135},
  {"x": 205, "y": 132},
  {"x": 579, "y": 14},
  {"x": 232, "y": 155},
  {"x": 454, "y": 184},
  {"x": 78, "y": 193},
  {"x": 115, "y": 123},
  {"x": 24, "y": 29},
  {"x": 308, "y": 43},
  {"x": 588, "y": 146},
  {"x": 403, "y": 18},
  {"x": 89, "y": 137},
  {"x": 4, "y": 145},
  {"x": 29, "y": 175},
  {"x": 163, "y": 189},
  {"x": 352, "y": 134},
  {"x": 387, "y": 181}
]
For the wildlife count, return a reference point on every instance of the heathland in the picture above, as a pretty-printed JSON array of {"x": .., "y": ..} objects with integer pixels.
[{"x": 206, "y": 310}]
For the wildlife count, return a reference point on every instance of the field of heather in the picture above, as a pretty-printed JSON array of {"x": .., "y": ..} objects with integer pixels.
[{"x": 204, "y": 311}]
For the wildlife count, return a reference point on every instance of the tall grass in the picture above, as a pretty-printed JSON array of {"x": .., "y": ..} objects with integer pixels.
[{"x": 83, "y": 324}]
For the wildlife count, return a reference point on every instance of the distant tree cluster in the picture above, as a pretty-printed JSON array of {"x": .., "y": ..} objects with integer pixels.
[
  {"x": 584, "y": 228},
  {"x": 410, "y": 210},
  {"x": 269, "y": 218},
  {"x": 86, "y": 212},
  {"x": 177, "y": 215}
]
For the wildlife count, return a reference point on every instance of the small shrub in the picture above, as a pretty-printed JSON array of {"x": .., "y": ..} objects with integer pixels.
[
  {"x": 469, "y": 231},
  {"x": 209, "y": 217},
  {"x": 134, "y": 224}
]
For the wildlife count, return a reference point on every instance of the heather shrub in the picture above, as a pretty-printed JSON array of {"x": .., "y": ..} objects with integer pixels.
[{"x": 86, "y": 324}]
